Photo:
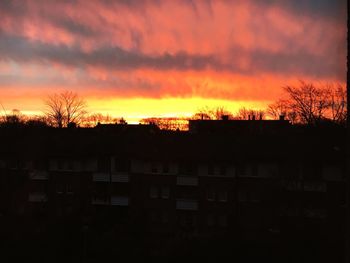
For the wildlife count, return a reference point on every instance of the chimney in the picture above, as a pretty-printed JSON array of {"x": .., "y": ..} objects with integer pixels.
[
  {"x": 253, "y": 118},
  {"x": 224, "y": 117},
  {"x": 281, "y": 117}
]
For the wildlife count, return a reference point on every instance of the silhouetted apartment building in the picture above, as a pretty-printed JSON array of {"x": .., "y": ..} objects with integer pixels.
[{"x": 267, "y": 187}]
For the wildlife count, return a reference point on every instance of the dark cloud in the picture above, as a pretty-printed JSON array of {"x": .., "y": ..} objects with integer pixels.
[
  {"x": 20, "y": 49},
  {"x": 75, "y": 27},
  {"x": 329, "y": 9}
]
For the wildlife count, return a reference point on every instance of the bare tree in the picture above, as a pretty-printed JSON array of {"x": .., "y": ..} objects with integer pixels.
[
  {"x": 65, "y": 108},
  {"x": 281, "y": 108},
  {"x": 215, "y": 113},
  {"x": 309, "y": 102},
  {"x": 74, "y": 107},
  {"x": 167, "y": 123},
  {"x": 249, "y": 114},
  {"x": 338, "y": 103}
]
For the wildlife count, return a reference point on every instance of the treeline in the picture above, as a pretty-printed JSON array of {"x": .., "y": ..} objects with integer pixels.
[{"x": 305, "y": 104}]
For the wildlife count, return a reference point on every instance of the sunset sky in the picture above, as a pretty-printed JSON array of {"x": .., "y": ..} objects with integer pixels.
[{"x": 164, "y": 58}]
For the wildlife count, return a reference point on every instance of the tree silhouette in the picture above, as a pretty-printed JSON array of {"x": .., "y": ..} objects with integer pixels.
[
  {"x": 215, "y": 113},
  {"x": 281, "y": 108},
  {"x": 249, "y": 114},
  {"x": 312, "y": 104},
  {"x": 64, "y": 108}
]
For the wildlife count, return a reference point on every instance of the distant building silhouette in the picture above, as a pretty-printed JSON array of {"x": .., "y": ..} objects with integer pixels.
[{"x": 256, "y": 181}]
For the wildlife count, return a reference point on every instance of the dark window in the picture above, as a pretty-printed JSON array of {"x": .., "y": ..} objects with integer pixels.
[
  {"x": 165, "y": 168},
  {"x": 59, "y": 187},
  {"x": 222, "y": 196},
  {"x": 210, "y": 169},
  {"x": 59, "y": 164},
  {"x": 70, "y": 165},
  {"x": 153, "y": 192},
  {"x": 211, "y": 195},
  {"x": 241, "y": 170},
  {"x": 154, "y": 168},
  {"x": 103, "y": 164},
  {"x": 187, "y": 169},
  {"x": 255, "y": 170},
  {"x": 122, "y": 165},
  {"x": 222, "y": 170}
]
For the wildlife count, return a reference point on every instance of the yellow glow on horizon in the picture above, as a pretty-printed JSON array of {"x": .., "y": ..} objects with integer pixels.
[{"x": 134, "y": 109}]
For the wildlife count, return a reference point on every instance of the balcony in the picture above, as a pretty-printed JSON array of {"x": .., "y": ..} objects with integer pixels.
[
  {"x": 101, "y": 177},
  {"x": 120, "y": 200},
  {"x": 315, "y": 186},
  {"x": 39, "y": 175},
  {"x": 37, "y": 197},
  {"x": 120, "y": 178},
  {"x": 186, "y": 204},
  {"x": 182, "y": 180},
  {"x": 99, "y": 201}
]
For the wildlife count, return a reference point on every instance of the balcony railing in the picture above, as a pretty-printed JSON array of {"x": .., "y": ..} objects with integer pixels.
[
  {"x": 37, "y": 197},
  {"x": 120, "y": 200},
  {"x": 182, "y": 180},
  {"x": 120, "y": 178},
  {"x": 39, "y": 175},
  {"x": 101, "y": 177},
  {"x": 99, "y": 201},
  {"x": 186, "y": 204}
]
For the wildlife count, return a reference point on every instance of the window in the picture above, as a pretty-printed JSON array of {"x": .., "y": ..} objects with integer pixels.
[
  {"x": 255, "y": 170},
  {"x": 153, "y": 192},
  {"x": 222, "y": 196},
  {"x": 70, "y": 165},
  {"x": 103, "y": 164},
  {"x": 59, "y": 188},
  {"x": 165, "y": 168},
  {"x": 241, "y": 170},
  {"x": 165, "y": 192},
  {"x": 211, "y": 195},
  {"x": 121, "y": 165},
  {"x": 222, "y": 170},
  {"x": 69, "y": 188},
  {"x": 165, "y": 218},
  {"x": 187, "y": 169},
  {"x": 153, "y": 217},
  {"x": 154, "y": 168},
  {"x": 60, "y": 165},
  {"x": 210, "y": 220},
  {"x": 222, "y": 221},
  {"x": 255, "y": 197},
  {"x": 242, "y": 196},
  {"x": 210, "y": 169}
]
